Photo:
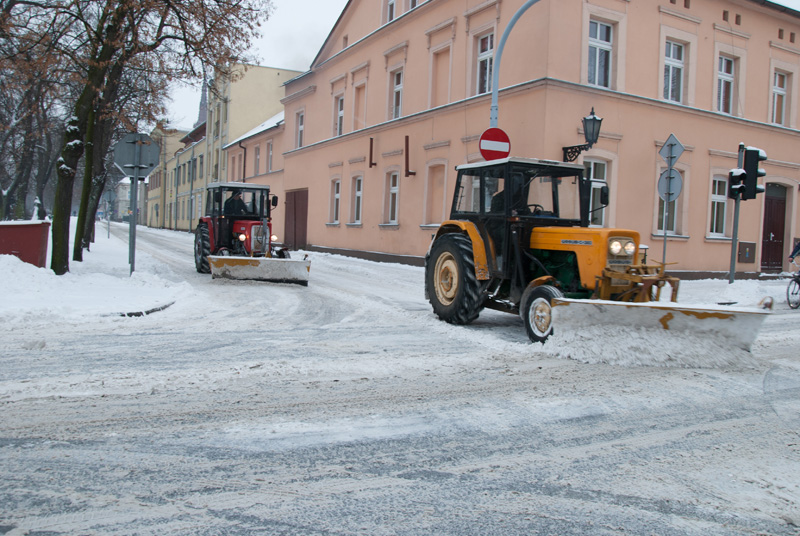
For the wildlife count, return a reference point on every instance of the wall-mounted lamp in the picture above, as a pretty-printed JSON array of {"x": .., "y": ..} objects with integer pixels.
[{"x": 591, "y": 132}]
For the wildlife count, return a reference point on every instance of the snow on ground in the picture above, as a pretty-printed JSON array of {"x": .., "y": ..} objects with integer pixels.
[{"x": 346, "y": 407}]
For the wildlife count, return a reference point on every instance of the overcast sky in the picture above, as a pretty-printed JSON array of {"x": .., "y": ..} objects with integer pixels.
[{"x": 292, "y": 37}]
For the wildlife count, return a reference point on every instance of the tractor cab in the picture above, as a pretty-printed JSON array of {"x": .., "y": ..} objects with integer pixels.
[
  {"x": 231, "y": 205},
  {"x": 506, "y": 199}
]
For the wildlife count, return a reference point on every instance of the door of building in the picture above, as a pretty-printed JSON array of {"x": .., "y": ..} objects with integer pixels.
[
  {"x": 774, "y": 227},
  {"x": 296, "y": 222}
]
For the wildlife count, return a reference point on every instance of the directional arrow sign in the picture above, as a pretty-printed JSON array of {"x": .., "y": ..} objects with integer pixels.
[{"x": 494, "y": 144}]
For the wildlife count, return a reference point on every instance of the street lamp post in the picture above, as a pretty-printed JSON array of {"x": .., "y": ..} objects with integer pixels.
[{"x": 591, "y": 132}]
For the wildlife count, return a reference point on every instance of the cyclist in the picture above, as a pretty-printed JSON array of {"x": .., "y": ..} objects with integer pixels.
[{"x": 795, "y": 252}]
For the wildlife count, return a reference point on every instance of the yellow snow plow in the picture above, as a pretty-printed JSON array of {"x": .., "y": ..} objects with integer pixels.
[
  {"x": 526, "y": 234},
  {"x": 736, "y": 327},
  {"x": 234, "y": 239},
  {"x": 260, "y": 269}
]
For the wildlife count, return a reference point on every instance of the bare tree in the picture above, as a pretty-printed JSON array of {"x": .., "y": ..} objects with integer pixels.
[{"x": 98, "y": 41}]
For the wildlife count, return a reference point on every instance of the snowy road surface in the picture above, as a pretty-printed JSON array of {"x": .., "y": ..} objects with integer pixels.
[{"x": 347, "y": 408}]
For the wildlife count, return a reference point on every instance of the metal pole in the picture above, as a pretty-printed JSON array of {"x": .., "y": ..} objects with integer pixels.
[
  {"x": 666, "y": 204},
  {"x": 493, "y": 112},
  {"x": 735, "y": 234},
  {"x": 137, "y": 148}
]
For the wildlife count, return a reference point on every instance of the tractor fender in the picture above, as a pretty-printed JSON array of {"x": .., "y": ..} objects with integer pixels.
[
  {"x": 478, "y": 245},
  {"x": 544, "y": 280}
]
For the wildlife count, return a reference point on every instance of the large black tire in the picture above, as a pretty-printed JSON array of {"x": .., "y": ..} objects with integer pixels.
[
  {"x": 450, "y": 280},
  {"x": 536, "y": 311},
  {"x": 202, "y": 249}
]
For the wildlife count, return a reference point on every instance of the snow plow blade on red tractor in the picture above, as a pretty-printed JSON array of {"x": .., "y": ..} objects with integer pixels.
[{"x": 234, "y": 239}]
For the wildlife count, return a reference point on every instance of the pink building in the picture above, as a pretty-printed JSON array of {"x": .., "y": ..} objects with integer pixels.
[{"x": 400, "y": 93}]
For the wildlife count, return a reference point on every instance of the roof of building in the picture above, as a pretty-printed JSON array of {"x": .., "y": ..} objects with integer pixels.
[{"x": 272, "y": 122}]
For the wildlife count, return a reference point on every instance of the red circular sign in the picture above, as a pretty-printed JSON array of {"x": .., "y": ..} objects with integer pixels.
[{"x": 494, "y": 144}]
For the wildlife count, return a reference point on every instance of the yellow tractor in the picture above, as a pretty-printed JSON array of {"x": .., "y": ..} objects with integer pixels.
[{"x": 519, "y": 240}]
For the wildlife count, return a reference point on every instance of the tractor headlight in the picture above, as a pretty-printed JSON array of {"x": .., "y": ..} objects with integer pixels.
[
  {"x": 615, "y": 247},
  {"x": 242, "y": 237},
  {"x": 630, "y": 248},
  {"x": 274, "y": 238}
]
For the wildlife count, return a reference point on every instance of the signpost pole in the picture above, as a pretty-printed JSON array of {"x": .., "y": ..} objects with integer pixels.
[
  {"x": 667, "y": 202},
  {"x": 735, "y": 234},
  {"x": 134, "y": 204}
]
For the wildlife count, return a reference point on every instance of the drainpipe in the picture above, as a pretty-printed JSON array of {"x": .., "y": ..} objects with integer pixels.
[
  {"x": 244, "y": 161},
  {"x": 498, "y": 55}
]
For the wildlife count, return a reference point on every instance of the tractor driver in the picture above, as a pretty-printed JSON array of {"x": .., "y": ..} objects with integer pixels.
[{"x": 234, "y": 206}]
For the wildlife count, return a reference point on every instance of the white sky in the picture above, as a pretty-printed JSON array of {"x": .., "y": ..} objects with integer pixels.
[{"x": 292, "y": 37}]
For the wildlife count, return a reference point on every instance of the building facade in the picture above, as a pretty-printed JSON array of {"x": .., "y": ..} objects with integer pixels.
[{"x": 399, "y": 95}]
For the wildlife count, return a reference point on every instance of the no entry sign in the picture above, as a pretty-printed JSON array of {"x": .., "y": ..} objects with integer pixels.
[{"x": 494, "y": 144}]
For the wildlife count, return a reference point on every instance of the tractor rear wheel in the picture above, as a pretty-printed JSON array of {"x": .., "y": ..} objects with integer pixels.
[
  {"x": 537, "y": 312},
  {"x": 450, "y": 280},
  {"x": 202, "y": 249}
]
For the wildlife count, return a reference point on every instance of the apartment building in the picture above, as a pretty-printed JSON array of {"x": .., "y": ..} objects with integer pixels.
[
  {"x": 399, "y": 95},
  {"x": 156, "y": 210},
  {"x": 235, "y": 106}
]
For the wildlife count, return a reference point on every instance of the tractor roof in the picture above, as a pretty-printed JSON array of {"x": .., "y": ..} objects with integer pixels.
[
  {"x": 533, "y": 162},
  {"x": 238, "y": 185}
]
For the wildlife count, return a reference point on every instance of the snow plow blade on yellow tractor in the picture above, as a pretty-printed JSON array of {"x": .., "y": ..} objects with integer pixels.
[
  {"x": 525, "y": 237},
  {"x": 234, "y": 239}
]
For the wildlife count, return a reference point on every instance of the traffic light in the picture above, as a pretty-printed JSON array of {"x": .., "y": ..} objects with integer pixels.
[
  {"x": 752, "y": 156},
  {"x": 735, "y": 182}
]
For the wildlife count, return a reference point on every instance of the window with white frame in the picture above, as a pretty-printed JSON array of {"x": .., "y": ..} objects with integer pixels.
[
  {"x": 779, "y": 84},
  {"x": 719, "y": 205},
  {"x": 358, "y": 194},
  {"x": 390, "y": 10},
  {"x": 485, "y": 58},
  {"x": 257, "y": 160},
  {"x": 339, "y": 121},
  {"x": 725, "y": 84},
  {"x": 597, "y": 172},
  {"x": 397, "y": 94},
  {"x": 601, "y": 37},
  {"x": 301, "y": 126},
  {"x": 673, "y": 71},
  {"x": 336, "y": 192},
  {"x": 392, "y": 192},
  {"x": 269, "y": 156}
]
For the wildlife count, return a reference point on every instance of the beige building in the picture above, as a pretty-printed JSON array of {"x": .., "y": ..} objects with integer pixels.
[
  {"x": 399, "y": 95},
  {"x": 157, "y": 212},
  {"x": 236, "y": 106}
]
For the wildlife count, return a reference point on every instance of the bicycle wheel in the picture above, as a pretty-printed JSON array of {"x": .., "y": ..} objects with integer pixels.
[{"x": 793, "y": 294}]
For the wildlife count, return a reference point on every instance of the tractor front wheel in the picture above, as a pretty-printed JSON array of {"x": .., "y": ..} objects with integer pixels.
[
  {"x": 536, "y": 311},
  {"x": 450, "y": 280},
  {"x": 202, "y": 249}
]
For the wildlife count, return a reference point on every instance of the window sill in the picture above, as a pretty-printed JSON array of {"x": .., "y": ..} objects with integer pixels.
[
  {"x": 660, "y": 236},
  {"x": 354, "y": 225},
  {"x": 389, "y": 226},
  {"x": 332, "y": 224},
  {"x": 430, "y": 226},
  {"x": 713, "y": 238}
]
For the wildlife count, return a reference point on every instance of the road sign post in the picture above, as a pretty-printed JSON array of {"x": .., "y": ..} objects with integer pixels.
[
  {"x": 135, "y": 155},
  {"x": 670, "y": 183}
]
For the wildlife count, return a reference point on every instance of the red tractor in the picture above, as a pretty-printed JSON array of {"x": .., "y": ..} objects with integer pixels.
[{"x": 237, "y": 223}]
